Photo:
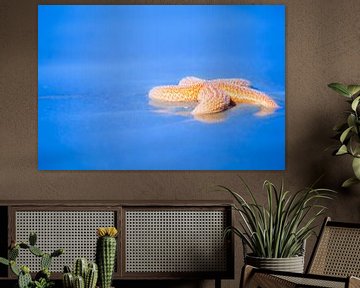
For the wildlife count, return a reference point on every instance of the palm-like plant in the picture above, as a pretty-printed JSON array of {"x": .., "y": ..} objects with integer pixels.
[{"x": 280, "y": 229}]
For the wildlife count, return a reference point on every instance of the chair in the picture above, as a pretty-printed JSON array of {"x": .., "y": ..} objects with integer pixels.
[{"x": 335, "y": 262}]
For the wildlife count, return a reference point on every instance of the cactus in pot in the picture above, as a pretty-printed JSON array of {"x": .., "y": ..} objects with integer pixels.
[
  {"x": 85, "y": 275},
  {"x": 106, "y": 254}
]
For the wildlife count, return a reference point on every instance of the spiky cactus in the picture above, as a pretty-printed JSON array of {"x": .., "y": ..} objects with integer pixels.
[
  {"x": 68, "y": 280},
  {"x": 91, "y": 276},
  {"x": 81, "y": 266},
  {"x": 84, "y": 274},
  {"x": 106, "y": 254},
  {"x": 79, "y": 282},
  {"x": 23, "y": 273}
]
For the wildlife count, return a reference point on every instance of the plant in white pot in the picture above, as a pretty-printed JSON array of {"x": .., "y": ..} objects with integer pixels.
[{"x": 276, "y": 233}]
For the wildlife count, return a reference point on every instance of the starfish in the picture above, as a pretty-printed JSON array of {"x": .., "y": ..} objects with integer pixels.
[{"x": 214, "y": 96}]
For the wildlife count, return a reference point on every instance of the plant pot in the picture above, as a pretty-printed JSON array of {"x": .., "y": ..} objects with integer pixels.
[{"x": 291, "y": 264}]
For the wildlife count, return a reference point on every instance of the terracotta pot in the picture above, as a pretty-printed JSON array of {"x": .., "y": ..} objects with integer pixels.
[{"x": 291, "y": 264}]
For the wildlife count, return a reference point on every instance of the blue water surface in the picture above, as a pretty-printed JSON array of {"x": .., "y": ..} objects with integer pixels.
[{"x": 97, "y": 63}]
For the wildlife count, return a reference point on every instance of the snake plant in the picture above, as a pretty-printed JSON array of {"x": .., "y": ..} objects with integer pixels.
[
  {"x": 348, "y": 132},
  {"x": 279, "y": 228}
]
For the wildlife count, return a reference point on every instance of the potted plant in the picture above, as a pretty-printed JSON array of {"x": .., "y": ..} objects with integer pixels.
[
  {"x": 42, "y": 278},
  {"x": 348, "y": 132},
  {"x": 276, "y": 233}
]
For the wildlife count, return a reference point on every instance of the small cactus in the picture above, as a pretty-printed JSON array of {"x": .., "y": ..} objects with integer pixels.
[
  {"x": 42, "y": 278},
  {"x": 91, "y": 276},
  {"x": 68, "y": 280},
  {"x": 24, "y": 277},
  {"x": 80, "y": 268},
  {"x": 79, "y": 282},
  {"x": 89, "y": 272},
  {"x": 106, "y": 254}
]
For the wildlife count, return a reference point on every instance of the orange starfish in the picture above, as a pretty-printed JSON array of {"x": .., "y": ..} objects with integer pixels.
[{"x": 214, "y": 95}]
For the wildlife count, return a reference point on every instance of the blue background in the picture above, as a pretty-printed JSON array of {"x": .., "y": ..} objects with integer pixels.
[{"x": 96, "y": 65}]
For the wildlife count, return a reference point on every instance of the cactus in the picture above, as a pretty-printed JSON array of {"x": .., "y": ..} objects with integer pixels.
[
  {"x": 24, "y": 277},
  {"x": 44, "y": 273},
  {"x": 45, "y": 261},
  {"x": 80, "y": 268},
  {"x": 91, "y": 276},
  {"x": 42, "y": 278},
  {"x": 67, "y": 269},
  {"x": 36, "y": 251},
  {"x": 32, "y": 238},
  {"x": 57, "y": 253},
  {"x": 90, "y": 272},
  {"x": 13, "y": 253},
  {"x": 79, "y": 282},
  {"x": 106, "y": 254},
  {"x": 24, "y": 245},
  {"x": 68, "y": 280}
]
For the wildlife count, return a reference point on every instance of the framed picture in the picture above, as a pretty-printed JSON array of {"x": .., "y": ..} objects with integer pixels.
[{"x": 161, "y": 87}]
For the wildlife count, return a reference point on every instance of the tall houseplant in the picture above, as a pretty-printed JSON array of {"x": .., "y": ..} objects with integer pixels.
[
  {"x": 276, "y": 233},
  {"x": 348, "y": 132}
]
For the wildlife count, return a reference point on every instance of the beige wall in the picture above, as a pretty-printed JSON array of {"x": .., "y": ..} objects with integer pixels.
[{"x": 323, "y": 46}]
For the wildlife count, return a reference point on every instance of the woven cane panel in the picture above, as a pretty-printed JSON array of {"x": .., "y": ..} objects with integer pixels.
[
  {"x": 75, "y": 231},
  {"x": 306, "y": 282},
  {"x": 175, "y": 241},
  {"x": 338, "y": 253}
]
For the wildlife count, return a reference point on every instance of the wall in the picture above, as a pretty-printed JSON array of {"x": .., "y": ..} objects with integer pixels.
[{"x": 323, "y": 40}]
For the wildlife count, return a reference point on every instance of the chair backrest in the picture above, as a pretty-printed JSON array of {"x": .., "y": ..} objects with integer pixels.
[{"x": 337, "y": 251}]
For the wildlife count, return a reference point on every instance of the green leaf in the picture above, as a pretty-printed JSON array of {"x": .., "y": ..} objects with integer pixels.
[
  {"x": 355, "y": 103},
  {"x": 354, "y": 145},
  {"x": 349, "y": 182},
  {"x": 340, "y": 88},
  {"x": 353, "y": 89},
  {"x": 14, "y": 268},
  {"x": 4, "y": 261},
  {"x": 342, "y": 150},
  {"x": 356, "y": 167},
  {"x": 351, "y": 120},
  {"x": 345, "y": 134}
]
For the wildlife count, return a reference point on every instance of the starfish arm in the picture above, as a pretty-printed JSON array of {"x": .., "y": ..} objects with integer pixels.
[
  {"x": 211, "y": 100},
  {"x": 175, "y": 93},
  {"x": 190, "y": 80},
  {"x": 248, "y": 95}
]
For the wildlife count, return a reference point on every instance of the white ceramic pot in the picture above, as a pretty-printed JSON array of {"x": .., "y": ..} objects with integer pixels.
[{"x": 291, "y": 264}]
